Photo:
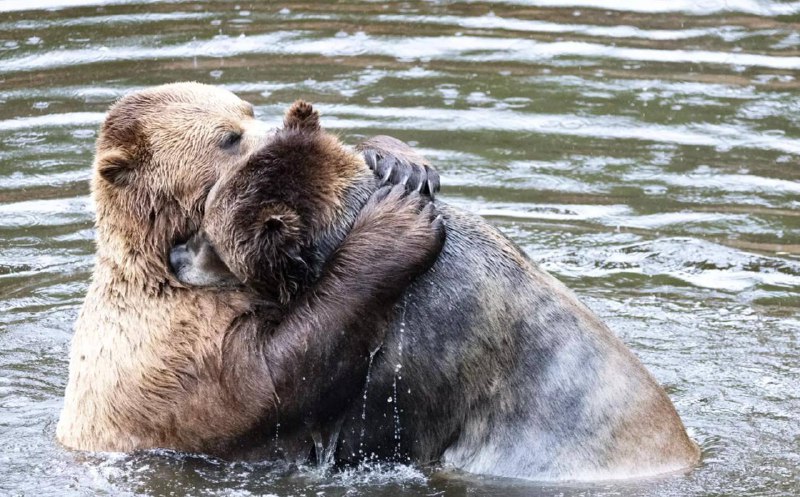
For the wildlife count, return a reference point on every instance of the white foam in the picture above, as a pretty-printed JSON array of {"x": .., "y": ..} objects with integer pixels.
[
  {"x": 726, "y": 136},
  {"x": 536, "y": 26}
]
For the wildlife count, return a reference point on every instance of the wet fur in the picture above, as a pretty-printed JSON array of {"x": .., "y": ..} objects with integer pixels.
[
  {"x": 156, "y": 364},
  {"x": 492, "y": 366},
  {"x": 504, "y": 372}
]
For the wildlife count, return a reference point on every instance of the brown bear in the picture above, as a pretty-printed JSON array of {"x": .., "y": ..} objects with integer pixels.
[
  {"x": 489, "y": 365},
  {"x": 156, "y": 364}
]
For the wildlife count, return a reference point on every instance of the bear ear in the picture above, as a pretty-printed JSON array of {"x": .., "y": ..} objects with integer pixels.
[
  {"x": 115, "y": 167},
  {"x": 280, "y": 222},
  {"x": 274, "y": 223},
  {"x": 301, "y": 115}
]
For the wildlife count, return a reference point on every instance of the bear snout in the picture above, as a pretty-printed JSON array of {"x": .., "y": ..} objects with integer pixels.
[{"x": 178, "y": 259}]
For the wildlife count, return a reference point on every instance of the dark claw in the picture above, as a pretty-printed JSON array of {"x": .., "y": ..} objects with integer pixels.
[
  {"x": 370, "y": 157},
  {"x": 416, "y": 178},
  {"x": 383, "y": 168},
  {"x": 398, "y": 171},
  {"x": 432, "y": 182},
  {"x": 385, "y": 173},
  {"x": 438, "y": 226}
]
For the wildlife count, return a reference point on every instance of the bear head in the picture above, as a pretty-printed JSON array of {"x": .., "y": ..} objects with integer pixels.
[
  {"x": 158, "y": 154},
  {"x": 273, "y": 221}
]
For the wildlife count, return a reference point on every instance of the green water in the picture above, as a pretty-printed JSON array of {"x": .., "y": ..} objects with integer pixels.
[{"x": 646, "y": 153}]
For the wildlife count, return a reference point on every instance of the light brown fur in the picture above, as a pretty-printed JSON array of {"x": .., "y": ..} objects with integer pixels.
[{"x": 138, "y": 334}]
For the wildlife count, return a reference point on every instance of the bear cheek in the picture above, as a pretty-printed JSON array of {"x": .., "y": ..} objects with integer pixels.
[
  {"x": 191, "y": 192},
  {"x": 231, "y": 243}
]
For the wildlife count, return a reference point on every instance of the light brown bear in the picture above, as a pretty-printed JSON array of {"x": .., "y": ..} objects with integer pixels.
[
  {"x": 490, "y": 365},
  {"x": 156, "y": 364}
]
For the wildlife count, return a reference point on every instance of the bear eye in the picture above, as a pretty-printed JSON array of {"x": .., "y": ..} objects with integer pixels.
[{"x": 231, "y": 139}]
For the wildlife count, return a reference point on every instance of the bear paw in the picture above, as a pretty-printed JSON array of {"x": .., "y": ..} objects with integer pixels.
[{"x": 396, "y": 163}]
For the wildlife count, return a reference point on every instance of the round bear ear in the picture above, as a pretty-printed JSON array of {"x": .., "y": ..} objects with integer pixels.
[
  {"x": 115, "y": 167},
  {"x": 280, "y": 224},
  {"x": 301, "y": 115},
  {"x": 274, "y": 223}
]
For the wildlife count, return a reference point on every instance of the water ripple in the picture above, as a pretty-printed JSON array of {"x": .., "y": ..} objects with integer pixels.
[
  {"x": 705, "y": 7},
  {"x": 458, "y": 48},
  {"x": 643, "y": 152},
  {"x": 53, "y": 120},
  {"x": 720, "y": 136}
]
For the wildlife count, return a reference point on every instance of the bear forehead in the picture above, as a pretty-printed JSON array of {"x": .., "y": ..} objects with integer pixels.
[
  {"x": 168, "y": 111},
  {"x": 202, "y": 95},
  {"x": 177, "y": 102}
]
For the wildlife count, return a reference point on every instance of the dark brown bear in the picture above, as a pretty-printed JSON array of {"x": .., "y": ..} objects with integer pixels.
[{"x": 489, "y": 365}]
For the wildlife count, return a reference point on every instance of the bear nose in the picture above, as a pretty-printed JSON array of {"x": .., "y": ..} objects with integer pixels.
[{"x": 178, "y": 257}]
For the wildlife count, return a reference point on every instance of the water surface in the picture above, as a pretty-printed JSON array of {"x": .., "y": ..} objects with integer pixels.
[{"x": 646, "y": 153}]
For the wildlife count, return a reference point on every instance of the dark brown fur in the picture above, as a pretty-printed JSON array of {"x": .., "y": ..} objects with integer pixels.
[
  {"x": 301, "y": 357},
  {"x": 321, "y": 317},
  {"x": 491, "y": 365}
]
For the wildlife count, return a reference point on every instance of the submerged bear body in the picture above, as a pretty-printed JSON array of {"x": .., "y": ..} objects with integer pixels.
[
  {"x": 489, "y": 365},
  {"x": 494, "y": 367}
]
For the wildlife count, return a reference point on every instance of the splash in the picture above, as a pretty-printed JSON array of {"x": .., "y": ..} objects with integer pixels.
[
  {"x": 364, "y": 404},
  {"x": 325, "y": 447}
]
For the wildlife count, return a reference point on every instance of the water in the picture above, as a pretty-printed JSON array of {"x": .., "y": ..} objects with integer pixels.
[
  {"x": 398, "y": 376},
  {"x": 646, "y": 153}
]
